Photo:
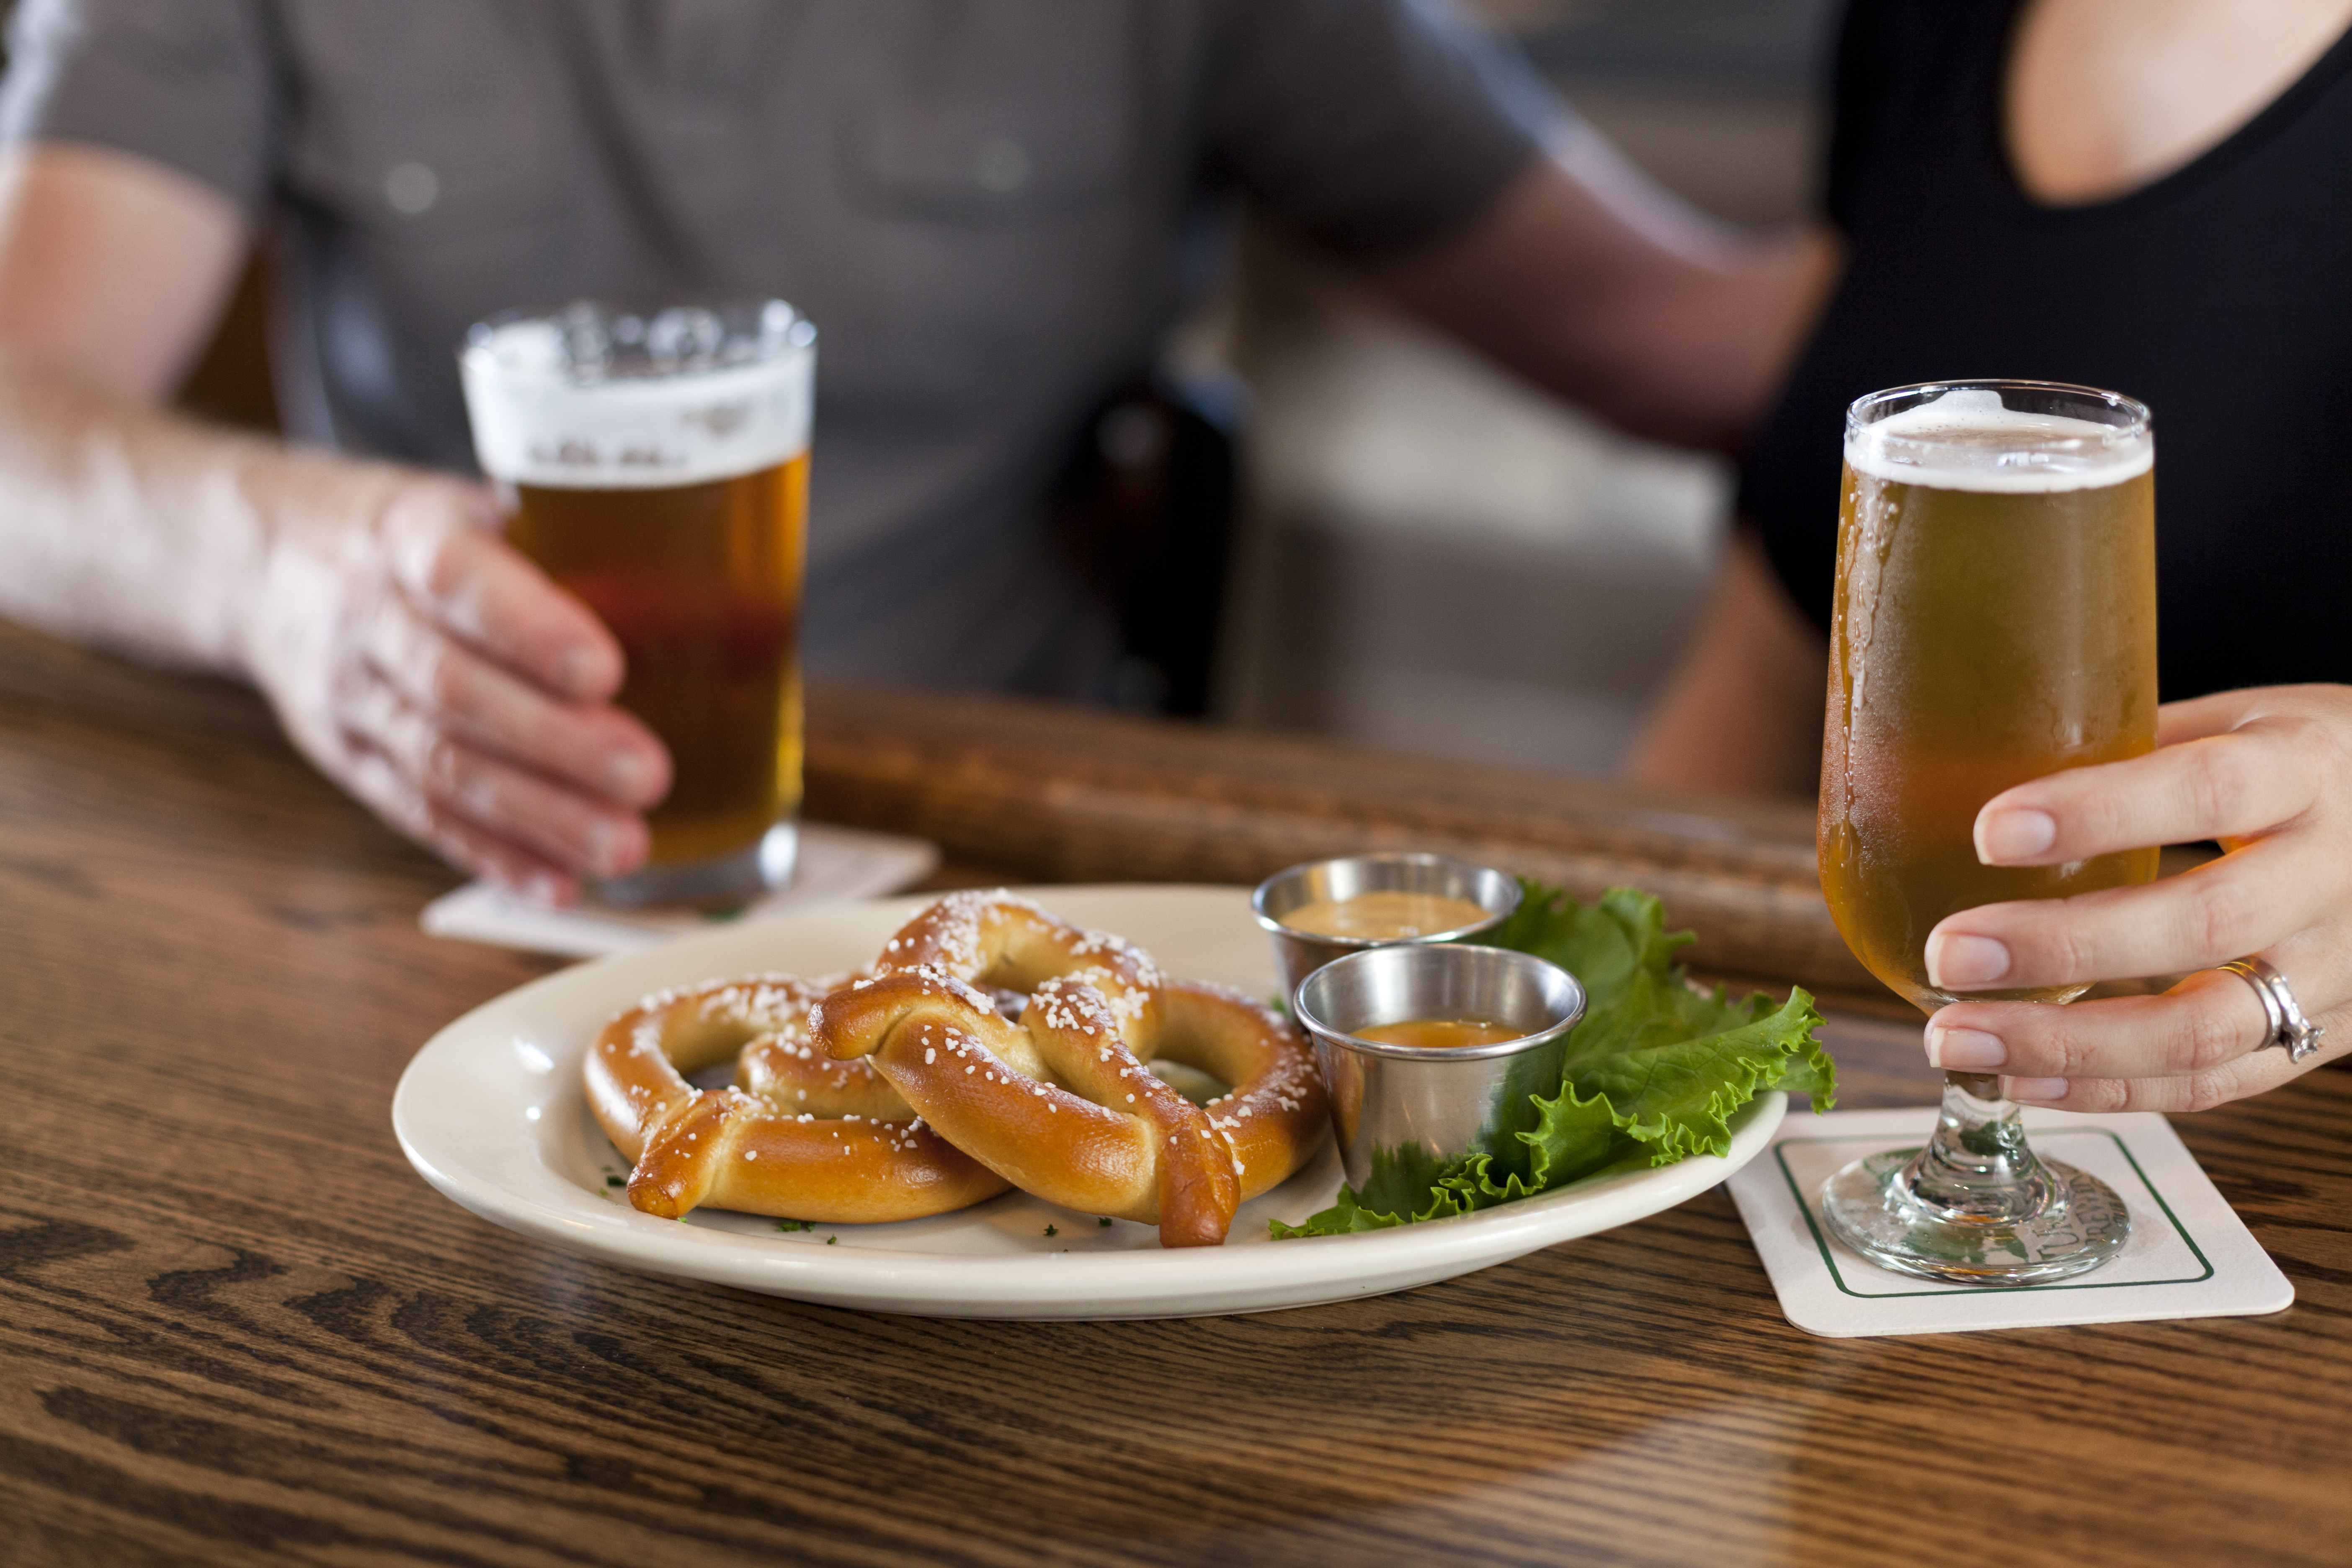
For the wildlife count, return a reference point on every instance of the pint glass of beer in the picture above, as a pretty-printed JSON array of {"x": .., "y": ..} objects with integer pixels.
[
  {"x": 1994, "y": 622},
  {"x": 654, "y": 463}
]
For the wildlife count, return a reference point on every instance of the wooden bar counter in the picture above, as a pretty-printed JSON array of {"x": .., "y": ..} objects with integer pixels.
[{"x": 235, "y": 1327}]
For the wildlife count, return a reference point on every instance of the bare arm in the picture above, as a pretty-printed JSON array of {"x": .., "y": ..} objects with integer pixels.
[
  {"x": 416, "y": 660},
  {"x": 1593, "y": 283},
  {"x": 1742, "y": 713},
  {"x": 111, "y": 272},
  {"x": 112, "y": 266}
]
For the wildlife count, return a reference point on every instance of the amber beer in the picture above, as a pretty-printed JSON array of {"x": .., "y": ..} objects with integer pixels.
[
  {"x": 1994, "y": 622},
  {"x": 656, "y": 465}
]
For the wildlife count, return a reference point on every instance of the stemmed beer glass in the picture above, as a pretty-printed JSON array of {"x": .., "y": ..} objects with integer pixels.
[{"x": 1995, "y": 622}]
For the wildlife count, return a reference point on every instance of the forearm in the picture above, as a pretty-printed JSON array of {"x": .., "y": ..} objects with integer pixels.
[
  {"x": 419, "y": 661},
  {"x": 1593, "y": 282},
  {"x": 1742, "y": 713},
  {"x": 135, "y": 528},
  {"x": 1692, "y": 322}
]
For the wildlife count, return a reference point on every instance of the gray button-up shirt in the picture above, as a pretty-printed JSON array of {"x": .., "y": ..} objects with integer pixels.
[{"x": 992, "y": 210}]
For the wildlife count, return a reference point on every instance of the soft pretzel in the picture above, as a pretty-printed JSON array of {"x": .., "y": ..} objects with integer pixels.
[
  {"x": 1063, "y": 1104},
  {"x": 1001, "y": 941},
  {"x": 821, "y": 1140},
  {"x": 1126, "y": 1144},
  {"x": 1275, "y": 1114},
  {"x": 1273, "y": 1117}
]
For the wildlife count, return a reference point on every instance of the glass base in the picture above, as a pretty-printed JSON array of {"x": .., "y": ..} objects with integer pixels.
[
  {"x": 2077, "y": 1224},
  {"x": 1976, "y": 1206},
  {"x": 754, "y": 869}
]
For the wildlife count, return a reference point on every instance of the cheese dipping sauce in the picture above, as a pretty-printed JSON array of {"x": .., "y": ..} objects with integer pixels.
[
  {"x": 1428, "y": 1033},
  {"x": 1389, "y": 915}
]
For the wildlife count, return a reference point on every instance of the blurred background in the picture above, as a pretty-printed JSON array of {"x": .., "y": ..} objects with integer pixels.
[
  {"x": 1434, "y": 558},
  {"x": 1423, "y": 554}
]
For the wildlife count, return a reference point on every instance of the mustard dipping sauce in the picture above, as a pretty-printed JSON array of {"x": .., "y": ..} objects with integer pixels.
[
  {"x": 1385, "y": 916},
  {"x": 1442, "y": 1033}
]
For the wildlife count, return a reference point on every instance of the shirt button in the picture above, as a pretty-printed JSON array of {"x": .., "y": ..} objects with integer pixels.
[
  {"x": 411, "y": 188},
  {"x": 1001, "y": 165}
]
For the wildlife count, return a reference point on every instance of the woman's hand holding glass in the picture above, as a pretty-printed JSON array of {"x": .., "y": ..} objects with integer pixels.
[{"x": 2268, "y": 773}]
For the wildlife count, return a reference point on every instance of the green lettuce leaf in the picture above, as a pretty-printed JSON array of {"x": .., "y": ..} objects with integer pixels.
[{"x": 1655, "y": 1072}]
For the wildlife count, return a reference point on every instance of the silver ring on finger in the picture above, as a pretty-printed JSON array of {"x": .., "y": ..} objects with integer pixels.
[{"x": 2290, "y": 1031}]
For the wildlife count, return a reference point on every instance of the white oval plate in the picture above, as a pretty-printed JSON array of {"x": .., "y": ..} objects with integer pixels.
[{"x": 492, "y": 1113}]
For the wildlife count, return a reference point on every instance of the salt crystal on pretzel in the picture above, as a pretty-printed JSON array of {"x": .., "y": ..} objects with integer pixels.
[
  {"x": 1060, "y": 1103},
  {"x": 1065, "y": 1106},
  {"x": 738, "y": 1150}
]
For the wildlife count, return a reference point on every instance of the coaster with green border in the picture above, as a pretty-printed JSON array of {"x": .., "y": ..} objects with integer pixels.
[{"x": 2190, "y": 1256}]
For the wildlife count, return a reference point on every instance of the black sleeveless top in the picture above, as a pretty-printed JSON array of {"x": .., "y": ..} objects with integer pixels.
[{"x": 2220, "y": 296}]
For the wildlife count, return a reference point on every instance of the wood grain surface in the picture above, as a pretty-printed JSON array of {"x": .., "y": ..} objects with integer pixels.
[{"x": 235, "y": 1327}]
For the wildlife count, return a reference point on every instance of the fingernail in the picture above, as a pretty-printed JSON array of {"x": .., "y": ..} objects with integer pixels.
[
  {"x": 1957, "y": 961},
  {"x": 628, "y": 777},
  {"x": 546, "y": 890},
  {"x": 2035, "y": 1089},
  {"x": 2014, "y": 835},
  {"x": 576, "y": 671},
  {"x": 613, "y": 849},
  {"x": 1965, "y": 1050}
]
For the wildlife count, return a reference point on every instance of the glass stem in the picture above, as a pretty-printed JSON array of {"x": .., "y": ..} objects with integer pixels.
[{"x": 1977, "y": 1169}]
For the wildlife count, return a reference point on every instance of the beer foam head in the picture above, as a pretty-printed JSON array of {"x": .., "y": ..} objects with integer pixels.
[
  {"x": 1967, "y": 438},
  {"x": 596, "y": 397}
]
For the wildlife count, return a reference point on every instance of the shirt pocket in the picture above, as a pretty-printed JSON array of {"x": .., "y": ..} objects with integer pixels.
[
  {"x": 979, "y": 112},
  {"x": 417, "y": 121}
]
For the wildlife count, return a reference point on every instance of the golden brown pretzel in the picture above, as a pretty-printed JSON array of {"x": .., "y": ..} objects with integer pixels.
[
  {"x": 1124, "y": 1143},
  {"x": 823, "y": 1141},
  {"x": 1000, "y": 940},
  {"x": 1274, "y": 1116}
]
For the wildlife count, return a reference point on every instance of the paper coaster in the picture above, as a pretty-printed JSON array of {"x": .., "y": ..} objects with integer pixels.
[
  {"x": 2189, "y": 1255},
  {"x": 835, "y": 866}
]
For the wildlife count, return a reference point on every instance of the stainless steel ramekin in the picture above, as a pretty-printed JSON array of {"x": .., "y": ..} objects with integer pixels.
[
  {"x": 1300, "y": 953},
  {"x": 1419, "y": 1108}
]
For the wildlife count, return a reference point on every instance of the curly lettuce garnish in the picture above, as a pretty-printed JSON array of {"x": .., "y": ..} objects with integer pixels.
[{"x": 1654, "y": 1073}]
